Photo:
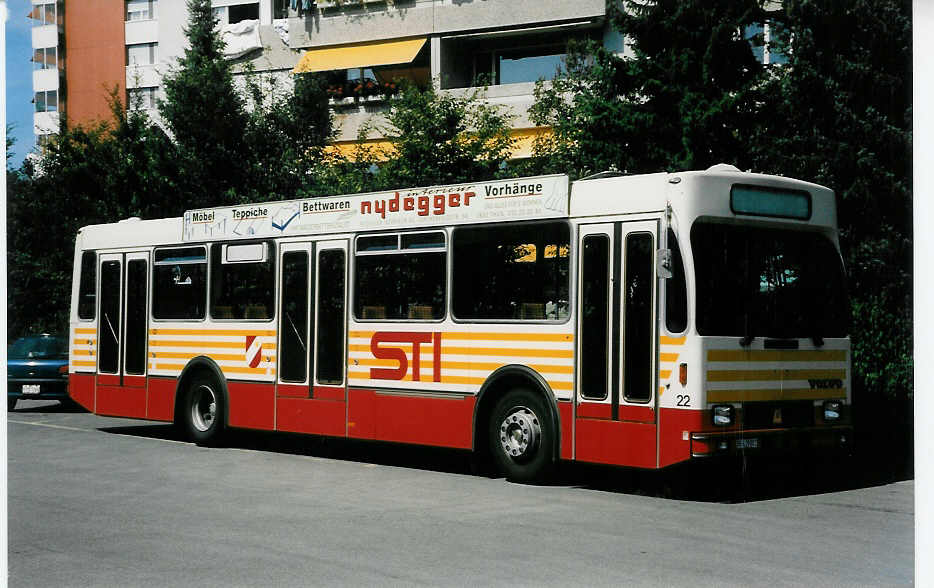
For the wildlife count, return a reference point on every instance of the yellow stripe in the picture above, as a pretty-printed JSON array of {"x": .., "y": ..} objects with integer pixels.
[
  {"x": 82, "y": 352},
  {"x": 765, "y": 375},
  {"x": 85, "y": 331},
  {"x": 773, "y": 394},
  {"x": 669, "y": 357},
  {"x": 83, "y": 363},
  {"x": 560, "y": 337},
  {"x": 464, "y": 365},
  {"x": 505, "y": 352},
  {"x": 215, "y": 356},
  {"x": 84, "y": 341},
  {"x": 727, "y": 355},
  {"x": 202, "y": 344},
  {"x": 664, "y": 374},
  {"x": 661, "y": 390},
  {"x": 449, "y": 380},
  {"x": 213, "y": 332},
  {"x": 672, "y": 340},
  {"x": 261, "y": 371}
]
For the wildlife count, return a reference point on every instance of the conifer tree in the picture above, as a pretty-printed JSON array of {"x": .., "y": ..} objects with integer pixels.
[{"x": 205, "y": 115}]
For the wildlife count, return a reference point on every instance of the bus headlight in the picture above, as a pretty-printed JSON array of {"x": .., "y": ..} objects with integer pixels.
[
  {"x": 722, "y": 415},
  {"x": 832, "y": 410}
]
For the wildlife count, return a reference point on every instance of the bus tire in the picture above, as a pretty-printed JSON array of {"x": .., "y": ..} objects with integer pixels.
[
  {"x": 521, "y": 436},
  {"x": 202, "y": 411}
]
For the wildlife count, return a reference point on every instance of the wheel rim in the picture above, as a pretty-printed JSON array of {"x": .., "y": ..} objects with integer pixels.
[
  {"x": 203, "y": 407},
  {"x": 519, "y": 433}
]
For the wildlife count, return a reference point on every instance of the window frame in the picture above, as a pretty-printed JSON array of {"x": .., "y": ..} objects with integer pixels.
[
  {"x": 92, "y": 255},
  {"x": 207, "y": 283},
  {"x": 445, "y": 249},
  {"x": 269, "y": 257},
  {"x": 572, "y": 272}
]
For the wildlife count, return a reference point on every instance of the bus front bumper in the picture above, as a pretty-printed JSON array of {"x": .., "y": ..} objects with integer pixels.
[{"x": 813, "y": 440}]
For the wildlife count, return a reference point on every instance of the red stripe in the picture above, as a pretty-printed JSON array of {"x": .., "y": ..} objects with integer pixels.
[
  {"x": 161, "y": 399},
  {"x": 252, "y": 406},
  {"x": 292, "y": 390},
  {"x": 121, "y": 401},
  {"x": 566, "y": 416},
  {"x": 444, "y": 422},
  {"x": 615, "y": 442},
  {"x": 81, "y": 389},
  {"x": 329, "y": 393},
  {"x": 307, "y": 415}
]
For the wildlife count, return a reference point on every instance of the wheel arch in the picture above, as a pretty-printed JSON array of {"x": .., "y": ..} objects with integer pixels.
[
  {"x": 199, "y": 365},
  {"x": 497, "y": 385}
]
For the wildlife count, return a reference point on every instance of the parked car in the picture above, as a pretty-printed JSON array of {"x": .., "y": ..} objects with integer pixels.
[{"x": 37, "y": 367}]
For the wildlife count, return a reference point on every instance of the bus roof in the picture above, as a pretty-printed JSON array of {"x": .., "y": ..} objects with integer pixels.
[{"x": 537, "y": 197}]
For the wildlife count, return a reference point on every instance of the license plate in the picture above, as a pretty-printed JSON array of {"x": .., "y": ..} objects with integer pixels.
[
  {"x": 31, "y": 388},
  {"x": 747, "y": 443}
]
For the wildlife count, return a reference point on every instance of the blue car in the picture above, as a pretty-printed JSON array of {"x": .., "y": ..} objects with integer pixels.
[{"x": 37, "y": 367}]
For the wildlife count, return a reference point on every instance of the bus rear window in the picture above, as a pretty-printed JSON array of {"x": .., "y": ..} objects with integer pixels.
[
  {"x": 762, "y": 201},
  {"x": 87, "y": 287}
]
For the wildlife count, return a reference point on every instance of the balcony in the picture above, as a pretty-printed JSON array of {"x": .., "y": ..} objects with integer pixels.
[{"x": 348, "y": 22}]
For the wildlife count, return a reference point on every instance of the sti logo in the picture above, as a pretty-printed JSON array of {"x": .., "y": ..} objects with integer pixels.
[{"x": 393, "y": 345}]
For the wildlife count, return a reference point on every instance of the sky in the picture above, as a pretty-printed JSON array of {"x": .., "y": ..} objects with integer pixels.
[{"x": 19, "y": 95}]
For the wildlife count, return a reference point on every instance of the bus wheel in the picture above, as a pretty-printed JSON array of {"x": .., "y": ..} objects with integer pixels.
[
  {"x": 203, "y": 410},
  {"x": 521, "y": 437}
]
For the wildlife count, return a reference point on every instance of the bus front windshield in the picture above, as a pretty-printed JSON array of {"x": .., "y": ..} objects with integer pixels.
[{"x": 764, "y": 282}]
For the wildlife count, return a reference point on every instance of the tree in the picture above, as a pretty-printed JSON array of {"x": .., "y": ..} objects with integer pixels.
[
  {"x": 842, "y": 118},
  {"x": 286, "y": 135},
  {"x": 206, "y": 116},
  {"x": 435, "y": 138},
  {"x": 686, "y": 99}
]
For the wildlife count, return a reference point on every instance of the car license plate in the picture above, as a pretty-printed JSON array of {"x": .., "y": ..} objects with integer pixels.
[
  {"x": 747, "y": 443},
  {"x": 31, "y": 388}
]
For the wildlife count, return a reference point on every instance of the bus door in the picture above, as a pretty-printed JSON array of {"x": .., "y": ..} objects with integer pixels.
[
  {"x": 312, "y": 389},
  {"x": 122, "y": 334},
  {"x": 615, "y": 414}
]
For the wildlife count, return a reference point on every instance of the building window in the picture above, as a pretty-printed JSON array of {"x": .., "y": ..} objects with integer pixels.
[
  {"x": 241, "y": 12},
  {"x": 47, "y": 101},
  {"x": 141, "y": 53},
  {"x": 142, "y": 98},
  {"x": 765, "y": 40},
  {"x": 280, "y": 9},
  {"x": 44, "y": 14},
  {"x": 515, "y": 66},
  {"x": 141, "y": 9},
  {"x": 45, "y": 58}
]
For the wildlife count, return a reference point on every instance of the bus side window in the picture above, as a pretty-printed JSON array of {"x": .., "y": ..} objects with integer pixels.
[
  {"x": 676, "y": 297},
  {"x": 242, "y": 281},
  {"x": 179, "y": 283},
  {"x": 87, "y": 287}
]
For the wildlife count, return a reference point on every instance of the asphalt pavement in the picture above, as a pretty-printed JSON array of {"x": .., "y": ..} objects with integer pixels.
[{"x": 96, "y": 501}]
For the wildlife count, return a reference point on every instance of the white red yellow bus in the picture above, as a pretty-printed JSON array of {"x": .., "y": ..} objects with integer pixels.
[{"x": 638, "y": 321}]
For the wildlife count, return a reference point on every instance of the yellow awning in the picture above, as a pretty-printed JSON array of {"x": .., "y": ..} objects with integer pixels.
[
  {"x": 524, "y": 140},
  {"x": 361, "y": 55}
]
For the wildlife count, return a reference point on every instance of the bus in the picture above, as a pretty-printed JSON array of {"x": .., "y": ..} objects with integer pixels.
[{"x": 630, "y": 320}]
